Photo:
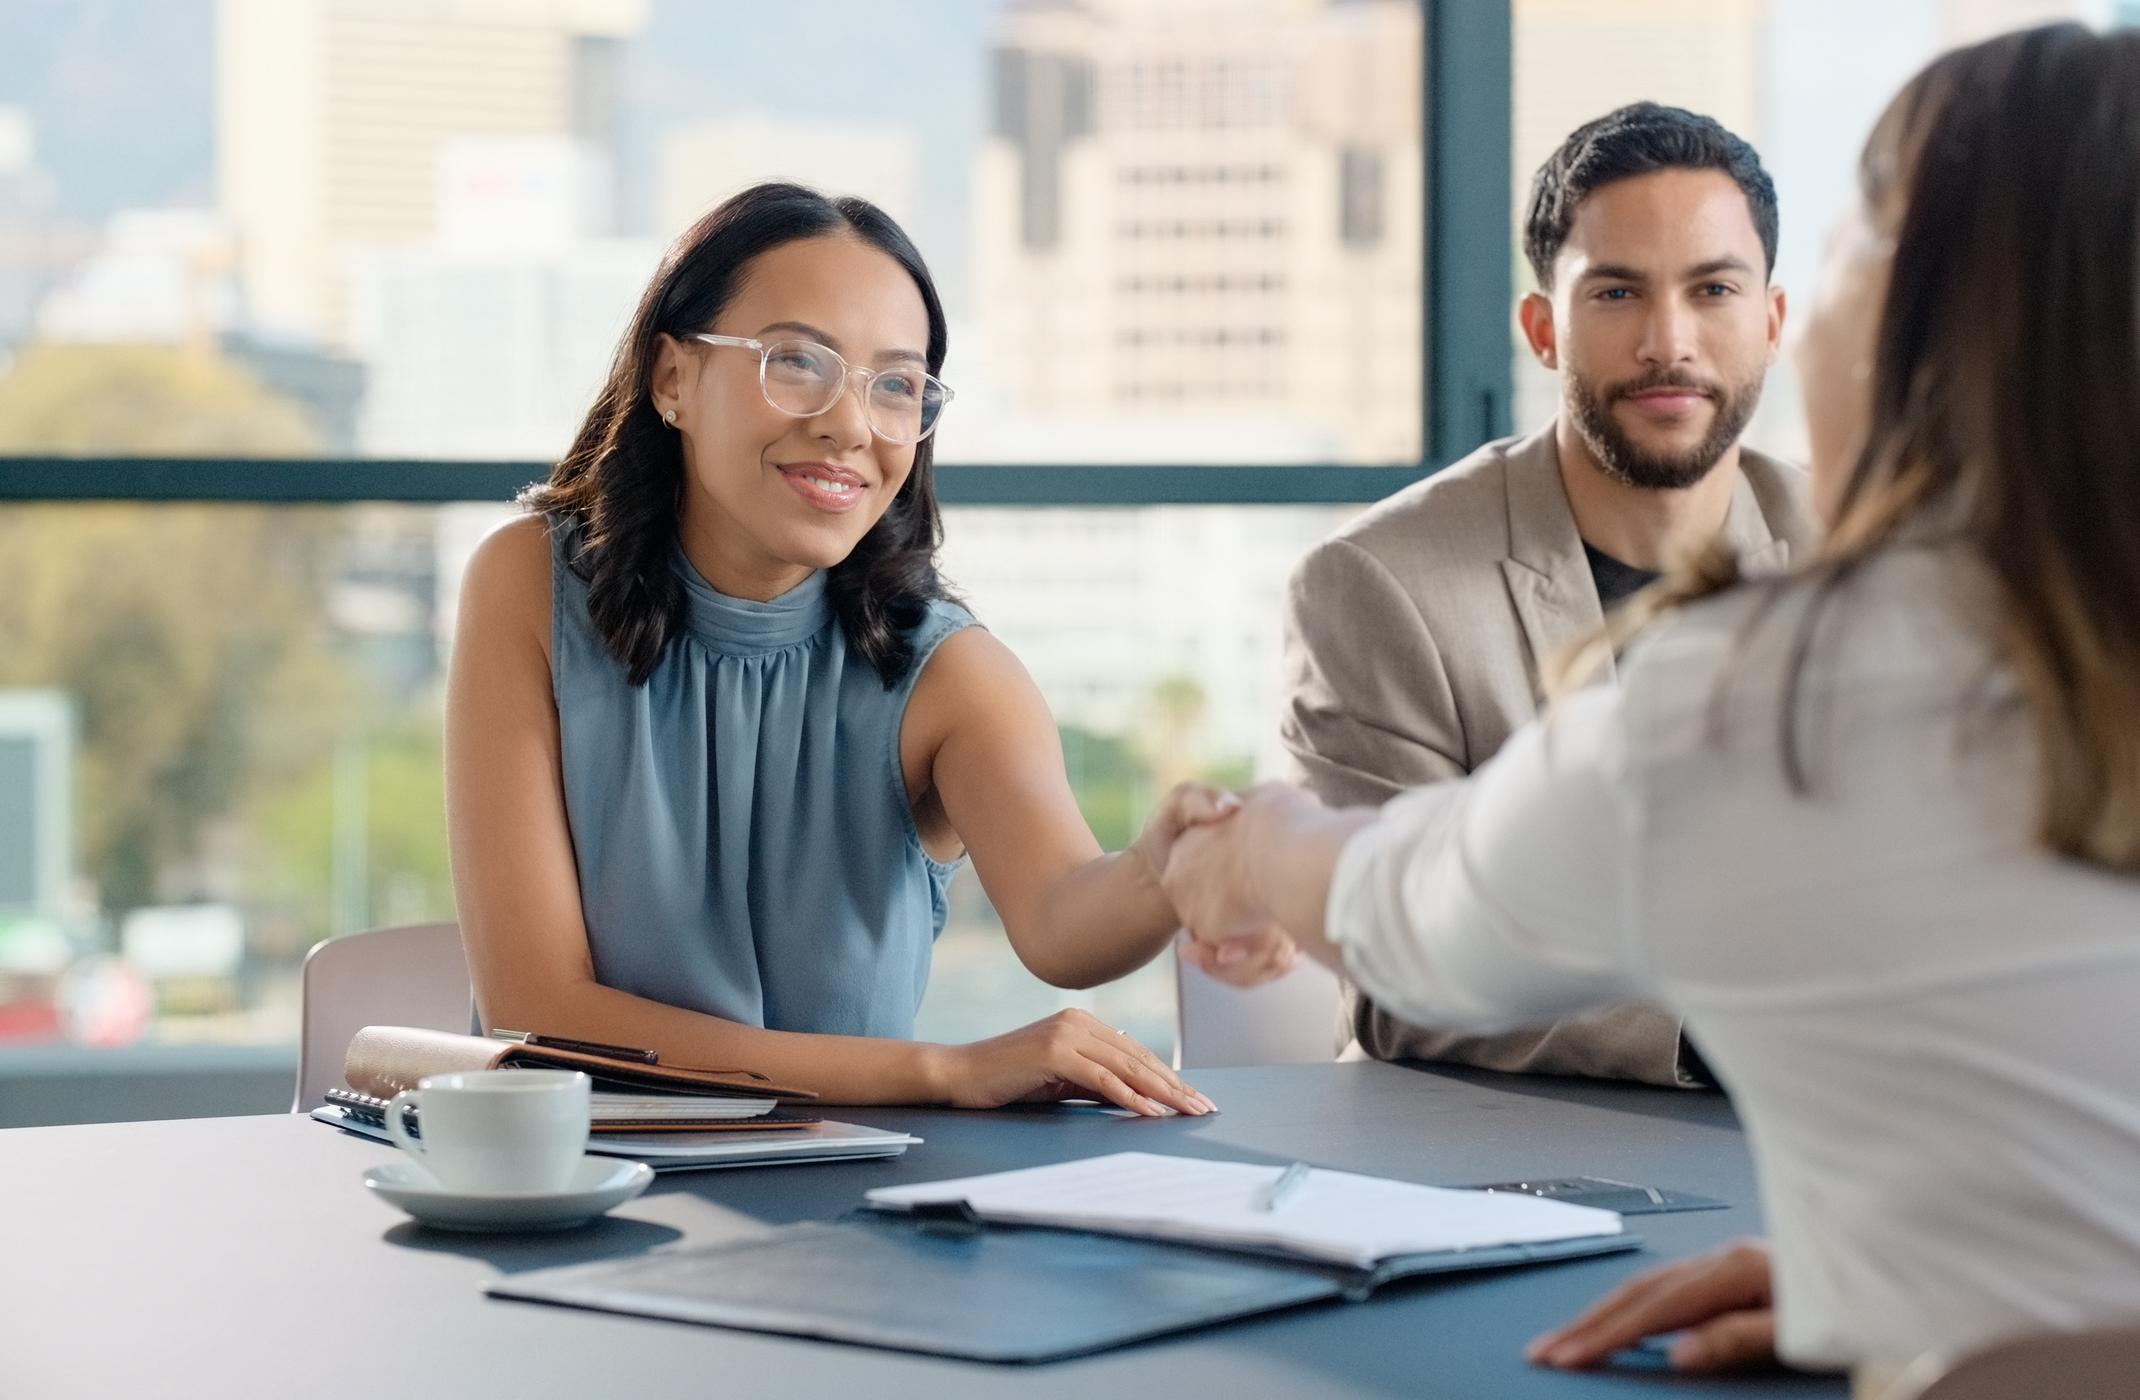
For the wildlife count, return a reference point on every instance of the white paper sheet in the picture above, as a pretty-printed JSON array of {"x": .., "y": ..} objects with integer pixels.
[{"x": 1336, "y": 1216}]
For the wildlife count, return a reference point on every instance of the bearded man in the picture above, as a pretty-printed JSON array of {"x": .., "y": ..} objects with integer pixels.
[{"x": 1416, "y": 634}]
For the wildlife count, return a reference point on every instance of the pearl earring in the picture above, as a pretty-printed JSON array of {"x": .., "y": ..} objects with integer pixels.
[{"x": 669, "y": 417}]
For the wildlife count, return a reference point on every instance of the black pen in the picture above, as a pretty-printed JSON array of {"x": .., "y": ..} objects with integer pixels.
[{"x": 584, "y": 1047}]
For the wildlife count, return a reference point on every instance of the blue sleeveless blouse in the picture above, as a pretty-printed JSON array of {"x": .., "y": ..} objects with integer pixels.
[{"x": 740, "y": 822}]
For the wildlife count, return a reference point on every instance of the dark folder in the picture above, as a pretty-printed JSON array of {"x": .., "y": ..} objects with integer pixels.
[{"x": 952, "y": 1287}]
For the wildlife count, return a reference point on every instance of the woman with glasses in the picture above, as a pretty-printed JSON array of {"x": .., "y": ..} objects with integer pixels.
[{"x": 717, "y": 733}]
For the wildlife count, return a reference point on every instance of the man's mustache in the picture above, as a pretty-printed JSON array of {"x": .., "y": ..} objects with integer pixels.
[{"x": 1665, "y": 379}]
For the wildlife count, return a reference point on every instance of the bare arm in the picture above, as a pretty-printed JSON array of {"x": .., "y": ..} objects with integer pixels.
[
  {"x": 517, "y": 889},
  {"x": 980, "y": 734}
]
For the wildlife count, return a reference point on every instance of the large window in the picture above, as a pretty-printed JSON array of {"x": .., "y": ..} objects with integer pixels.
[
  {"x": 1163, "y": 232},
  {"x": 294, "y": 293}
]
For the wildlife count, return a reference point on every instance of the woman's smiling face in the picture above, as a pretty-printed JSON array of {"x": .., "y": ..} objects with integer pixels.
[{"x": 769, "y": 497}]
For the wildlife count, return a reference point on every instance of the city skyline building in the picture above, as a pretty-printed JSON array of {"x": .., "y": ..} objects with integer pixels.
[
  {"x": 489, "y": 339},
  {"x": 702, "y": 163},
  {"x": 36, "y": 246},
  {"x": 1188, "y": 213},
  {"x": 332, "y": 116}
]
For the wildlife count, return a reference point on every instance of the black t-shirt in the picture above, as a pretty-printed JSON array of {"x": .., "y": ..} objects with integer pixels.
[{"x": 1614, "y": 579}]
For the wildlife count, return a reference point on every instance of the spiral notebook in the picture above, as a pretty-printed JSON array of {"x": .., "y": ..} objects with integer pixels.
[
  {"x": 820, "y": 1141},
  {"x": 611, "y": 1112}
]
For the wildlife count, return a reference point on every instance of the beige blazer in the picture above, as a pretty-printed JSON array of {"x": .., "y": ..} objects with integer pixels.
[{"x": 1413, "y": 638}]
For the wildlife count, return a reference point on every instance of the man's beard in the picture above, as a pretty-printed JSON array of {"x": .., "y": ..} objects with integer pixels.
[{"x": 1653, "y": 471}]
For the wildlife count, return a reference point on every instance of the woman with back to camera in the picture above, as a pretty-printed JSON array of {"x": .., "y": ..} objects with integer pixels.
[
  {"x": 1874, "y": 827},
  {"x": 716, "y": 732}
]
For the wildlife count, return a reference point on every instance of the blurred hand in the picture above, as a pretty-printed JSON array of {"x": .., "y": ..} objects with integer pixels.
[
  {"x": 1215, "y": 880},
  {"x": 1186, "y": 805},
  {"x": 1070, "y": 1055},
  {"x": 1722, "y": 1301},
  {"x": 1244, "y": 962}
]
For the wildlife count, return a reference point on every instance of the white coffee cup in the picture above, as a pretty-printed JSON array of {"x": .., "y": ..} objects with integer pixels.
[{"x": 496, "y": 1131}]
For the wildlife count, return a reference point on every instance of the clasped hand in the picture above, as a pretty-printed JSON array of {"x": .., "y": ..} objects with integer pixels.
[
  {"x": 1206, "y": 847},
  {"x": 1222, "y": 857}
]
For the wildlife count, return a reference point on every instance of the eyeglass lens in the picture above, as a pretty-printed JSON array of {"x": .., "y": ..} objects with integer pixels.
[{"x": 804, "y": 378}]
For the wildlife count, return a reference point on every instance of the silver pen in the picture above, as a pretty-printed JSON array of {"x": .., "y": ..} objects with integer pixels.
[{"x": 1287, "y": 1181}]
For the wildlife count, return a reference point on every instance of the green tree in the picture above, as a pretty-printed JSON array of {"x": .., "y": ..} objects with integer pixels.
[
  {"x": 401, "y": 805},
  {"x": 145, "y": 401},
  {"x": 1111, "y": 784},
  {"x": 189, "y": 637}
]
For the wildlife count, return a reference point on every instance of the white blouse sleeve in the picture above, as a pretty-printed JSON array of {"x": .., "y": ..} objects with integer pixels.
[{"x": 1510, "y": 897}]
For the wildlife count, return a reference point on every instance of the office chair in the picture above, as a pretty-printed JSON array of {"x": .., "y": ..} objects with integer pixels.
[
  {"x": 1290, "y": 1021},
  {"x": 411, "y": 976}
]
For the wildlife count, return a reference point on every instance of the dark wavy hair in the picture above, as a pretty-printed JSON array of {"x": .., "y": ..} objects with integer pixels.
[
  {"x": 622, "y": 481},
  {"x": 1638, "y": 139}
]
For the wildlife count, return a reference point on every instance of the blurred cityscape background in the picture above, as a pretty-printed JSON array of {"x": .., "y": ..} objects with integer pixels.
[{"x": 1166, "y": 231}]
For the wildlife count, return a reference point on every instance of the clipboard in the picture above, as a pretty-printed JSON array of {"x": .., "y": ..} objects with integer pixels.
[{"x": 942, "y": 1283}]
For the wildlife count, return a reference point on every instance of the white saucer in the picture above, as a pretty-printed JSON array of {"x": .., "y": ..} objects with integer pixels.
[{"x": 598, "y": 1183}]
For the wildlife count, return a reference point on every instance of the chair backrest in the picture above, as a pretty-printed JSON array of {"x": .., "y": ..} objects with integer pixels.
[
  {"x": 2103, "y": 1364},
  {"x": 1290, "y": 1021},
  {"x": 411, "y": 976}
]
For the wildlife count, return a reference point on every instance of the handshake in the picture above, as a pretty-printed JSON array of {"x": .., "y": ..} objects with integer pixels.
[{"x": 1248, "y": 874}]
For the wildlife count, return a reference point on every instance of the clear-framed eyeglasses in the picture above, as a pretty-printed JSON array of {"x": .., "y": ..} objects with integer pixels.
[{"x": 804, "y": 378}]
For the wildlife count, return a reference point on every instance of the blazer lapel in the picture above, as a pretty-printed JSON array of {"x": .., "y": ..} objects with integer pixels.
[
  {"x": 1747, "y": 531},
  {"x": 1548, "y": 575}
]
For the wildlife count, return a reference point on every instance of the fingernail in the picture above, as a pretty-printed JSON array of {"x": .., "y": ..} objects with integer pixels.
[
  {"x": 1209, "y": 1106},
  {"x": 1154, "y": 1107},
  {"x": 1230, "y": 953},
  {"x": 1534, "y": 1351},
  {"x": 1688, "y": 1353}
]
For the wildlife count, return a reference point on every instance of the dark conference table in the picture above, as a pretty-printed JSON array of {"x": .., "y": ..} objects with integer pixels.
[{"x": 243, "y": 1256}]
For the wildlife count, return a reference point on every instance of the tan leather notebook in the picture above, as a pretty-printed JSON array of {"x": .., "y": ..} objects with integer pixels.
[{"x": 384, "y": 1060}]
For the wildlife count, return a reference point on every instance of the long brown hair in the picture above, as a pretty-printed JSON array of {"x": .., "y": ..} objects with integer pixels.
[
  {"x": 2005, "y": 399},
  {"x": 622, "y": 480}
]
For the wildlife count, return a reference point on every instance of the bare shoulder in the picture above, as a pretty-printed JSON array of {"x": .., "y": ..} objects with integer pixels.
[
  {"x": 970, "y": 672},
  {"x": 507, "y": 584},
  {"x": 970, "y": 656},
  {"x": 512, "y": 556},
  {"x": 971, "y": 681}
]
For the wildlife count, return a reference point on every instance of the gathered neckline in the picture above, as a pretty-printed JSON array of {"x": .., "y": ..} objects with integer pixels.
[{"x": 742, "y": 627}]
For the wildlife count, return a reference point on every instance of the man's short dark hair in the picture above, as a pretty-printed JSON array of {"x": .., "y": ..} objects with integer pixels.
[{"x": 1636, "y": 140}]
